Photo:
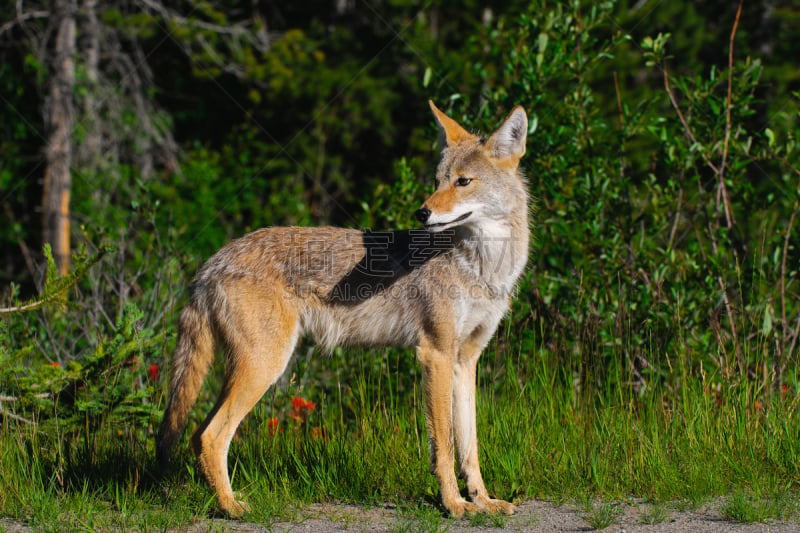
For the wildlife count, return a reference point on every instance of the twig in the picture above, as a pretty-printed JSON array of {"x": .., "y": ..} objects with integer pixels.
[
  {"x": 64, "y": 285},
  {"x": 260, "y": 40},
  {"x": 720, "y": 172},
  {"x": 22, "y": 17},
  {"x": 784, "y": 334},
  {"x": 723, "y": 357},
  {"x": 728, "y": 308},
  {"x": 794, "y": 341},
  {"x": 27, "y": 307},
  {"x": 26, "y": 253},
  {"x": 621, "y": 125},
  {"x": 723, "y": 190},
  {"x": 787, "y": 164},
  {"x": 12, "y": 416},
  {"x": 619, "y": 102},
  {"x": 683, "y": 120},
  {"x": 677, "y": 215}
]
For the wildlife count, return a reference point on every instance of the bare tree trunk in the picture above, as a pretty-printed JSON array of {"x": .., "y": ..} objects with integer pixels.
[
  {"x": 89, "y": 153},
  {"x": 59, "y": 119},
  {"x": 93, "y": 141}
]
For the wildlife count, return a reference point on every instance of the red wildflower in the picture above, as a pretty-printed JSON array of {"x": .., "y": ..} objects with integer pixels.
[
  {"x": 784, "y": 389},
  {"x": 298, "y": 404},
  {"x": 272, "y": 426},
  {"x": 317, "y": 433},
  {"x": 301, "y": 409},
  {"x": 152, "y": 372},
  {"x": 55, "y": 364}
]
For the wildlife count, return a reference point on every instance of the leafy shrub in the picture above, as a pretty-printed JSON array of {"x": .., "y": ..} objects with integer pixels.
[
  {"x": 663, "y": 221},
  {"x": 663, "y": 236},
  {"x": 108, "y": 382}
]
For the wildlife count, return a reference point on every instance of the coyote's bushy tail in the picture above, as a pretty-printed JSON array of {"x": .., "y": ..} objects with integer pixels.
[{"x": 194, "y": 354}]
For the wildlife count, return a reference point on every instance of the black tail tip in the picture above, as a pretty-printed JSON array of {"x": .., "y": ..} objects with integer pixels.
[{"x": 163, "y": 455}]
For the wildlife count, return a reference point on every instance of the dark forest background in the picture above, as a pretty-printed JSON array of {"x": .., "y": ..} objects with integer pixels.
[{"x": 662, "y": 156}]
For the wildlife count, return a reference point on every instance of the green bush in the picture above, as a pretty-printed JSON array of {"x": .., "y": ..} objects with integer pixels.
[
  {"x": 109, "y": 381},
  {"x": 660, "y": 246},
  {"x": 644, "y": 268}
]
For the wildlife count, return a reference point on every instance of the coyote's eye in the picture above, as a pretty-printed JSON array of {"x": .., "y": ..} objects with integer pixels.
[{"x": 462, "y": 181}]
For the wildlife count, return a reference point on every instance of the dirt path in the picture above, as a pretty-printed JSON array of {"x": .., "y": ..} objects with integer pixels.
[{"x": 531, "y": 516}]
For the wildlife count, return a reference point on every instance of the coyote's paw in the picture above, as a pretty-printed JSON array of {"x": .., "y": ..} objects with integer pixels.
[
  {"x": 458, "y": 507},
  {"x": 235, "y": 508},
  {"x": 495, "y": 506}
]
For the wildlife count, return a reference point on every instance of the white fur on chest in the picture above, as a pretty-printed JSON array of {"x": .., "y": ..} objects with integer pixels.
[
  {"x": 479, "y": 313},
  {"x": 496, "y": 259}
]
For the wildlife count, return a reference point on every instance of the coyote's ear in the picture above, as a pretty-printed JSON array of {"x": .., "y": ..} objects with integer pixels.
[
  {"x": 451, "y": 132},
  {"x": 509, "y": 139}
]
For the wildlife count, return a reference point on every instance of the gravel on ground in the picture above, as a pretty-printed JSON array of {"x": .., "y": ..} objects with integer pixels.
[{"x": 530, "y": 516}]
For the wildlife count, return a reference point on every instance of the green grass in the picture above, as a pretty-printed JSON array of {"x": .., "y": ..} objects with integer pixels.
[
  {"x": 498, "y": 520},
  {"x": 749, "y": 506},
  {"x": 653, "y": 514},
  {"x": 540, "y": 438},
  {"x": 422, "y": 518},
  {"x": 601, "y": 515}
]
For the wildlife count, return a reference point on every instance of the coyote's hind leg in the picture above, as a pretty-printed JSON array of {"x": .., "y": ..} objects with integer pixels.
[{"x": 258, "y": 347}]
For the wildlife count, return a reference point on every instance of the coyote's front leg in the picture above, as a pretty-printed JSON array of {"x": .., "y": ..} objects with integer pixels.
[
  {"x": 465, "y": 426},
  {"x": 437, "y": 368}
]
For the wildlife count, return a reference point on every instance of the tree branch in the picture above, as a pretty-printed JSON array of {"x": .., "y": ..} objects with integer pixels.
[
  {"x": 12, "y": 416},
  {"x": 784, "y": 355},
  {"x": 683, "y": 120},
  {"x": 259, "y": 39},
  {"x": 723, "y": 190},
  {"x": 22, "y": 17}
]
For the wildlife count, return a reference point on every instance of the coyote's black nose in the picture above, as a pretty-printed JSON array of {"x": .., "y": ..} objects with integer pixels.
[{"x": 423, "y": 214}]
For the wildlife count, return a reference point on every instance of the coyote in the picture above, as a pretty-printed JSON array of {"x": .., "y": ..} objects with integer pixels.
[{"x": 442, "y": 290}]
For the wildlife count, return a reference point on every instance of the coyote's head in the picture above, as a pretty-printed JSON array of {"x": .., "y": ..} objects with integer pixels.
[{"x": 477, "y": 181}]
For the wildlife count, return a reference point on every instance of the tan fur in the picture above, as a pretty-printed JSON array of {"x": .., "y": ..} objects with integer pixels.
[
  {"x": 443, "y": 201},
  {"x": 451, "y": 131},
  {"x": 442, "y": 290}
]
